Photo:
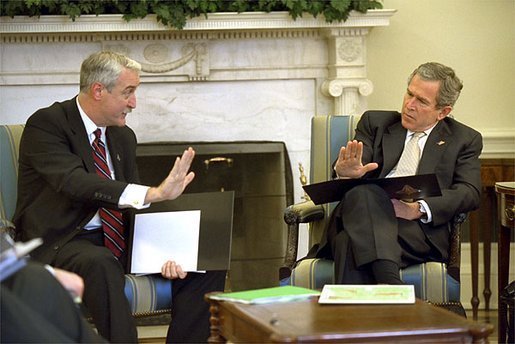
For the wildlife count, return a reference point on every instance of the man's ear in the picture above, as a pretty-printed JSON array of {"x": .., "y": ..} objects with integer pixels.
[
  {"x": 96, "y": 90},
  {"x": 444, "y": 112}
]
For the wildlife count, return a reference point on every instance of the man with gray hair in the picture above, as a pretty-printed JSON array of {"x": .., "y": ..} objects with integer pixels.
[
  {"x": 370, "y": 236},
  {"x": 78, "y": 179}
]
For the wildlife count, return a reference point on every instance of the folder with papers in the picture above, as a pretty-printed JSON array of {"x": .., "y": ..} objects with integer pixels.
[
  {"x": 405, "y": 188},
  {"x": 195, "y": 230}
]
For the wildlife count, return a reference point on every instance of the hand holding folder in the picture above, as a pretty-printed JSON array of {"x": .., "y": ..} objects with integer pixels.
[
  {"x": 194, "y": 230},
  {"x": 404, "y": 188}
]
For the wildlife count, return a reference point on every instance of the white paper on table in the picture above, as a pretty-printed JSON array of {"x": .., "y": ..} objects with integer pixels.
[{"x": 163, "y": 236}]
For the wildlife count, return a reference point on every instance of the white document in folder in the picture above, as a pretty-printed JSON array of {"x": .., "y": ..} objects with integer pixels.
[{"x": 163, "y": 236}]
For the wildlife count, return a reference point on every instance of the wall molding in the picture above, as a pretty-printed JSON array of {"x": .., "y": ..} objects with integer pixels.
[
  {"x": 498, "y": 144},
  {"x": 215, "y": 22}
]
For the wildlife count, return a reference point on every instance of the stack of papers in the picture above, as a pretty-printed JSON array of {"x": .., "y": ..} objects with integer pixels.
[
  {"x": 372, "y": 294},
  {"x": 268, "y": 295},
  {"x": 171, "y": 235},
  {"x": 13, "y": 254}
]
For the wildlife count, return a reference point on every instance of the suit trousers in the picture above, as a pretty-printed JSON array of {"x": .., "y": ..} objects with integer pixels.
[
  {"x": 105, "y": 299},
  {"x": 190, "y": 312},
  {"x": 363, "y": 228},
  {"x": 104, "y": 282}
]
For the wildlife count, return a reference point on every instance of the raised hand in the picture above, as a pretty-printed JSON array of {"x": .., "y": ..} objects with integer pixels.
[
  {"x": 176, "y": 181},
  {"x": 349, "y": 164}
]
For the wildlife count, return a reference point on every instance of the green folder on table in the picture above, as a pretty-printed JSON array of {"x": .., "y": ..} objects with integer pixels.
[{"x": 268, "y": 295}]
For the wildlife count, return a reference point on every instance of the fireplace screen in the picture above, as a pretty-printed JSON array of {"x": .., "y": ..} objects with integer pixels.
[{"x": 260, "y": 175}]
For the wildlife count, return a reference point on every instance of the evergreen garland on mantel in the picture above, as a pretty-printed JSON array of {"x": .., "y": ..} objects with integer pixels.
[{"x": 175, "y": 13}]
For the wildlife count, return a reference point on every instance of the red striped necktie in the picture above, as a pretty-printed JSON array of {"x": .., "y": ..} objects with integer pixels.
[{"x": 112, "y": 221}]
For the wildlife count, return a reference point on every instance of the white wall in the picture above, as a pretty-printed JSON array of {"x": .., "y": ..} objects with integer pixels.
[{"x": 475, "y": 37}]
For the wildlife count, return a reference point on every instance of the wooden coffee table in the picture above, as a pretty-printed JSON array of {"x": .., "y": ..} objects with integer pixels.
[{"x": 308, "y": 321}]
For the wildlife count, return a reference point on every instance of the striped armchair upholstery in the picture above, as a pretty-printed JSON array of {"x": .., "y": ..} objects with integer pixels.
[
  {"x": 147, "y": 295},
  {"x": 434, "y": 282},
  {"x": 431, "y": 281},
  {"x": 10, "y": 136}
]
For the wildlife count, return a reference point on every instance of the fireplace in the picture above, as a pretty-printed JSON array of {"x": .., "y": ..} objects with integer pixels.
[
  {"x": 260, "y": 175},
  {"x": 228, "y": 77}
]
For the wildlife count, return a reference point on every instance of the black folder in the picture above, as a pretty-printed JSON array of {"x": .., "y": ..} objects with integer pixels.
[
  {"x": 405, "y": 188},
  {"x": 216, "y": 223}
]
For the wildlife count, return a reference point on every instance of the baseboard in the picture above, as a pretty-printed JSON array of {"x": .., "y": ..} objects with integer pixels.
[{"x": 466, "y": 275}]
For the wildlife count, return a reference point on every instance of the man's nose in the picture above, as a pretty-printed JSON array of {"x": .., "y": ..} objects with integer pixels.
[
  {"x": 132, "y": 101},
  {"x": 410, "y": 103}
]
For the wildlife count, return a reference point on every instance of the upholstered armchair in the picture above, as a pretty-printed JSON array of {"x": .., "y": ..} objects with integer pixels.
[
  {"x": 435, "y": 282},
  {"x": 147, "y": 295}
]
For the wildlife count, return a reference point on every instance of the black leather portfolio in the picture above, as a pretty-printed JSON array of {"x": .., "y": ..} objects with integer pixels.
[
  {"x": 215, "y": 234},
  {"x": 405, "y": 188}
]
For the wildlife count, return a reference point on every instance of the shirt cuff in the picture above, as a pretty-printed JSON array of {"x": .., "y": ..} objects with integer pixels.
[
  {"x": 425, "y": 207},
  {"x": 50, "y": 269},
  {"x": 134, "y": 197}
]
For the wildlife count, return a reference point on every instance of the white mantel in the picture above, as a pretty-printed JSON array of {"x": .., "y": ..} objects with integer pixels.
[
  {"x": 247, "y": 76},
  {"x": 215, "y": 22}
]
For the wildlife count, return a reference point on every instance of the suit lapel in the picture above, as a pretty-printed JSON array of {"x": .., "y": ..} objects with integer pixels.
[
  {"x": 435, "y": 147},
  {"x": 393, "y": 144},
  {"x": 79, "y": 135}
]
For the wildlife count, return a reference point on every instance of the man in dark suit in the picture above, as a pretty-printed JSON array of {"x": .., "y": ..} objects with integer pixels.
[
  {"x": 36, "y": 308},
  {"x": 61, "y": 196},
  {"x": 371, "y": 236}
]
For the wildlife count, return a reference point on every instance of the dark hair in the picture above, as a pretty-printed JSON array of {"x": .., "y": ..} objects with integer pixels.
[{"x": 450, "y": 84}]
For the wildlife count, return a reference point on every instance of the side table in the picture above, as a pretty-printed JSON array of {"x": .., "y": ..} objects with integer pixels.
[
  {"x": 309, "y": 322},
  {"x": 506, "y": 209}
]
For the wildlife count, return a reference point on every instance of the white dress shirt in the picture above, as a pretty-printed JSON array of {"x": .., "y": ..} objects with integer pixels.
[{"x": 133, "y": 196}]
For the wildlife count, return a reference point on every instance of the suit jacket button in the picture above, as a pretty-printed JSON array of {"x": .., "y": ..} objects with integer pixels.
[{"x": 56, "y": 248}]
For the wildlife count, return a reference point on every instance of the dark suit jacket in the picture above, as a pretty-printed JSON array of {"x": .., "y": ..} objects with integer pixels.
[
  {"x": 58, "y": 189},
  {"x": 36, "y": 308},
  {"x": 451, "y": 152}
]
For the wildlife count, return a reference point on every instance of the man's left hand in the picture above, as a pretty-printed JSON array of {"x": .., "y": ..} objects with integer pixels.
[
  {"x": 172, "y": 270},
  {"x": 406, "y": 210},
  {"x": 71, "y": 282}
]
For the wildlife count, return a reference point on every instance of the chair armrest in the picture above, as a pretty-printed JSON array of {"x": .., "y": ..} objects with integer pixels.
[
  {"x": 453, "y": 265},
  {"x": 293, "y": 215},
  {"x": 303, "y": 213},
  {"x": 459, "y": 219},
  {"x": 148, "y": 294}
]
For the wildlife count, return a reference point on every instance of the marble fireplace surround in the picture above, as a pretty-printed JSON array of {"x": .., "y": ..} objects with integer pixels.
[{"x": 247, "y": 76}]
